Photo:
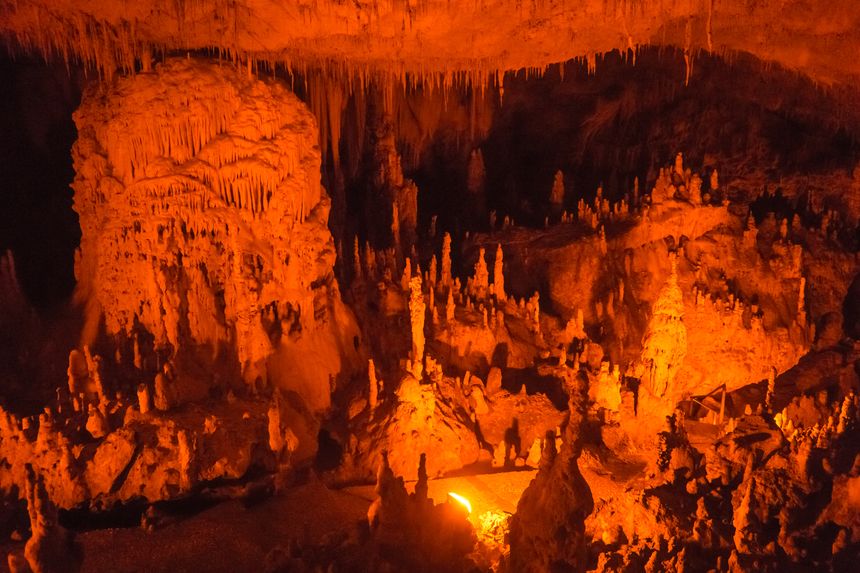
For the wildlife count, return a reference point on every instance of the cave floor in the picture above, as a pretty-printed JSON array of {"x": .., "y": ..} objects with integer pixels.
[
  {"x": 233, "y": 536},
  {"x": 230, "y": 536},
  {"x": 227, "y": 537}
]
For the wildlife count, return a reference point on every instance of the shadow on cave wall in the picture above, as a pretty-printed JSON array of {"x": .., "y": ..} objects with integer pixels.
[
  {"x": 851, "y": 310},
  {"x": 37, "y": 222}
]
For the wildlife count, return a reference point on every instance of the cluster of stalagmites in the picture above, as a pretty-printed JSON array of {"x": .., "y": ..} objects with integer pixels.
[
  {"x": 699, "y": 317},
  {"x": 205, "y": 269},
  {"x": 455, "y": 420},
  {"x": 408, "y": 532},
  {"x": 762, "y": 329},
  {"x": 752, "y": 501},
  {"x": 471, "y": 325},
  {"x": 97, "y": 447}
]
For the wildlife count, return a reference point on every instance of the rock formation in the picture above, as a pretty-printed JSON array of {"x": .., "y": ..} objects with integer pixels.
[
  {"x": 665, "y": 343},
  {"x": 499, "y": 275},
  {"x": 205, "y": 235},
  {"x": 50, "y": 547},
  {"x": 438, "y": 38},
  {"x": 417, "y": 311},
  {"x": 548, "y": 530},
  {"x": 392, "y": 211},
  {"x": 672, "y": 365},
  {"x": 206, "y": 231}
]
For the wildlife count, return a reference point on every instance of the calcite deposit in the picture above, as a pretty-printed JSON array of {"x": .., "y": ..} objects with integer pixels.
[
  {"x": 424, "y": 286},
  {"x": 204, "y": 236},
  {"x": 205, "y": 267}
]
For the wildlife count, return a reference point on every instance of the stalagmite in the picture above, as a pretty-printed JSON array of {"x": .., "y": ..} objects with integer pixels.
[
  {"x": 373, "y": 385},
  {"x": 49, "y": 549},
  {"x": 162, "y": 399},
  {"x": 665, "y": 342},
  {"x": 144, "y": 398},
  {"x": 137, "y": 357},
  {"x": 421, "y": 486},
  {"x": 481, "y": 278},
  {"x": 679, "y": 164},
  {"x": 406, "y": 278},
  {"x": 499, "y": 275},
  {"x": 449, "y": 307},
  {"x": 771, "y": 387},
  {"x": 445, "y": 276},
  {"x": 416, "y": 316},
  {"x": 801, "y": 301}
]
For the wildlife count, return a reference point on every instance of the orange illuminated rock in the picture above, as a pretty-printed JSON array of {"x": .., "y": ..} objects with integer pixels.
[
  {"x": 419, "y": 419},
  {"x": 50, "y": 549},
  {"x": 204, "y": 230},
  {"x": 436, "y": 35},
  {"x": 392, "y": 209},
  {"x": 665, "y": 344},
  {"x": 548, "y": 530},
  {"x": 730, "y": 302},
  {"x": 417, "y": 312}
]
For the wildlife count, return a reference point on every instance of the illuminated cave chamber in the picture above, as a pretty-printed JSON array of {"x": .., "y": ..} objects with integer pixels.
[{"x": 396, "y": 287}]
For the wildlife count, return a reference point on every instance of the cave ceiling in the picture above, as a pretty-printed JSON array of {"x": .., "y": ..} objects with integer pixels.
[{"x": 438, "y": 38}]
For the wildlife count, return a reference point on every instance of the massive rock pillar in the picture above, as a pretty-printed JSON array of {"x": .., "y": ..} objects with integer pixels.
[{"x": 204, "y": 228}]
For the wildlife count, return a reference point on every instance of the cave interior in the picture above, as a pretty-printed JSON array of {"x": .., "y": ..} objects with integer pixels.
[{"x": 429, "y": 286}]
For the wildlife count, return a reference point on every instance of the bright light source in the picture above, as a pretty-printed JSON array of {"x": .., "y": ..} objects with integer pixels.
[{"x": 461, "y": 500}]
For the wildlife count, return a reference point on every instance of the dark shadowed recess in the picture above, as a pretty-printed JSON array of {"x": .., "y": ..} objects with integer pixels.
[
  {"x": 749, "y": 120},
  {"x": 37, "y": 222}
]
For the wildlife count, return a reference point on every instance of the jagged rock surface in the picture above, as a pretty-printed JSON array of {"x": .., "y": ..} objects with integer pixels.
[
  {"x": 204, "y": 235},
  {"x": 548, "y": 530}
]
